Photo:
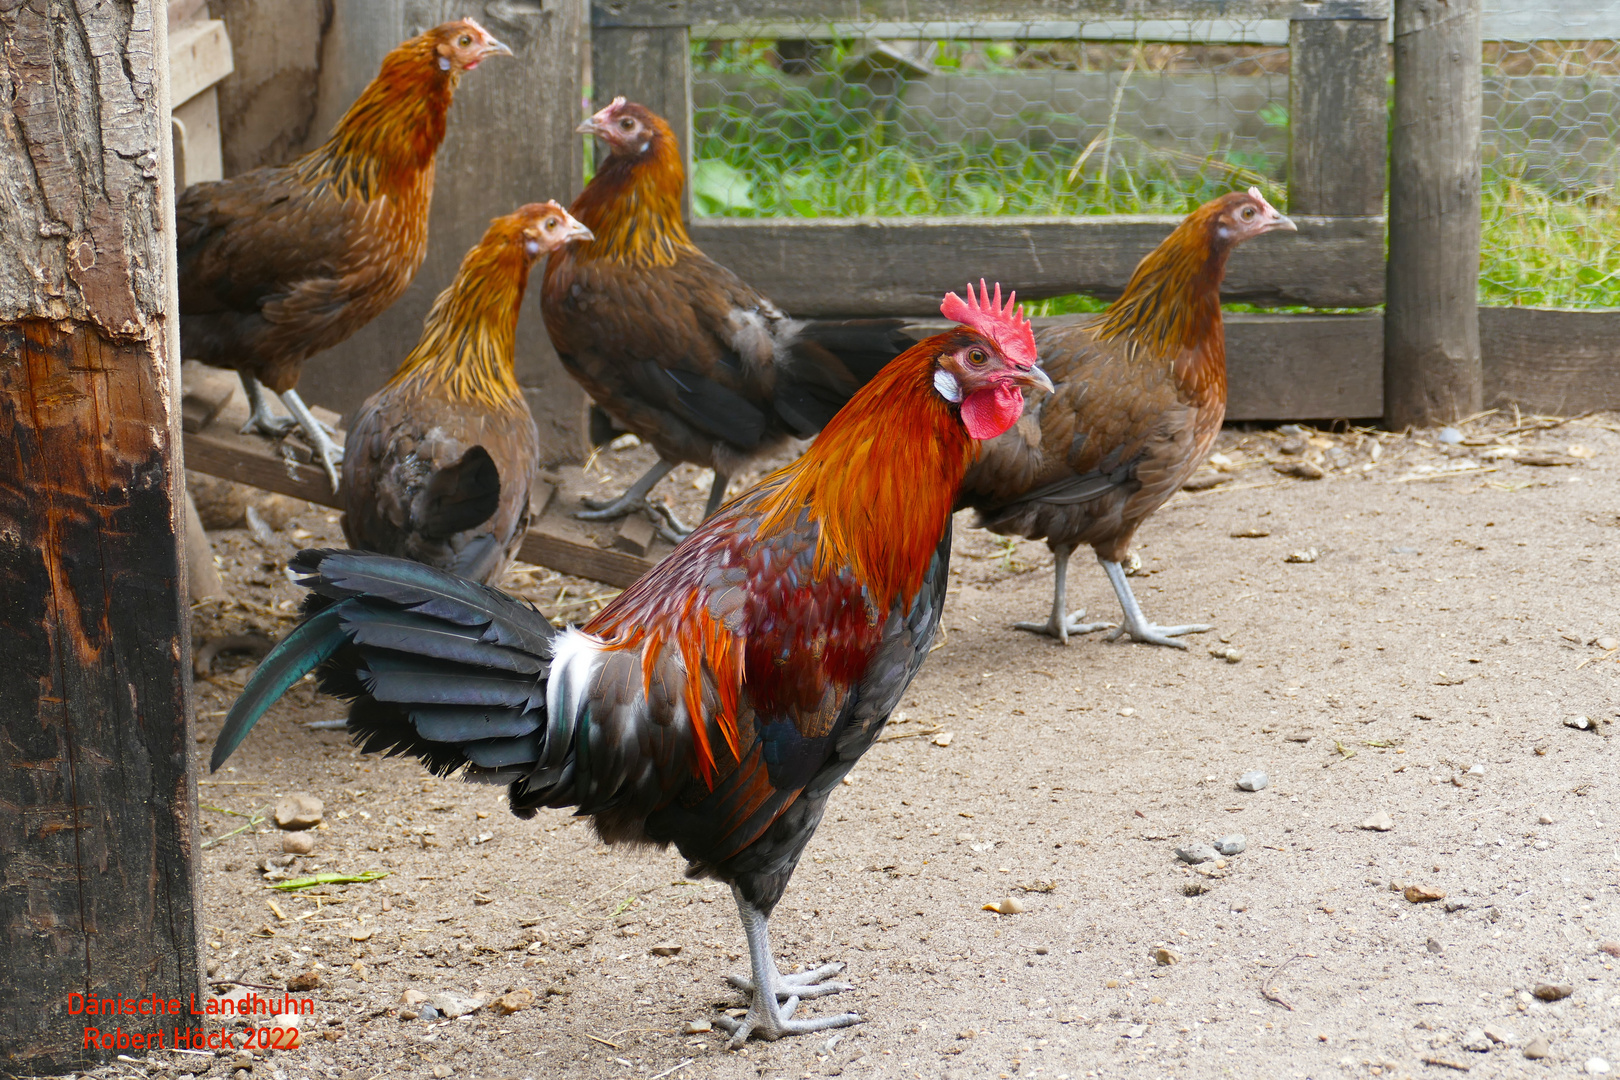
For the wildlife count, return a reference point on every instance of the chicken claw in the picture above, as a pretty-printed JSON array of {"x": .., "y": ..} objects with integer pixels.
[
  {"x": 767, "y": 1018},
  {"x": 634, "y": 498},
  {"x": 1060, "y": 624},
  {"x": 1136, "y": 624}
]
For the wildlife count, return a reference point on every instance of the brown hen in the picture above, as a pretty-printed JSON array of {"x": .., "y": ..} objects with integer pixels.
[
  {"x": 440, "y": 460},
  {"x": 676, "y": 348},
  {"x": 279, "y": 263},
  {"x": 1141, "y": 393}
]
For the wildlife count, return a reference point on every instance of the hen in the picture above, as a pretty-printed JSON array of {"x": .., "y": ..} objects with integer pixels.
[
  {"x": 1140, "y": 398},
  {"x": 716, "y": 703},
  {"x": 676, "y": 348},
  {"x": 439, "y": 462},
  {"x": 279, "y": 263}
]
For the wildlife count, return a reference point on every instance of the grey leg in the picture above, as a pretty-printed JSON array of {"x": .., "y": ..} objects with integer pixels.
[
  {"x": 261, "y": 420},
  {"x": 767, "y": 1018},
  {"x": 632, "y": 500},
  {"x": 1060, "y": 624},
  {"x": 717, "y": 494},
  {"x": 315, "y": 433},
  {"x": 1136, "y": 624}
]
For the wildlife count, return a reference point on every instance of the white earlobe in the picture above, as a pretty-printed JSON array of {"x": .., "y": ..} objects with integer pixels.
[
  {"x": 947, "y": 385},
  {"x": 444, "y": 63}
]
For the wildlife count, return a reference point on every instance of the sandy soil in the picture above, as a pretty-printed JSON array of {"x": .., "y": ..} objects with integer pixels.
[{"x": 1421, "y": 667}]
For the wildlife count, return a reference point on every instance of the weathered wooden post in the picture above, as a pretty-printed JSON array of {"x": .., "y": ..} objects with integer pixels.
[
  {"x": 97, "y": 837},
  {"x": 1432, "y": 370},
  {"x": 647, "y": 60}
]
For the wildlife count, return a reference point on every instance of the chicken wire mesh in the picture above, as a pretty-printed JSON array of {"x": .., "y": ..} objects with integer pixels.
[
  {"x": 815, "y": 119},
  {"x": 1551, "y": 142}
]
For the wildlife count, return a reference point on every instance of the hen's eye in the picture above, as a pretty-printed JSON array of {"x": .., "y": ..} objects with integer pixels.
[
  {"x": 551, "y": 223},
  {"x": 627, "y": 124},
  {"x": 977, "y": 358},
  {"x": 1247, "y": 213},
  {"x": 465, "y": 41}
]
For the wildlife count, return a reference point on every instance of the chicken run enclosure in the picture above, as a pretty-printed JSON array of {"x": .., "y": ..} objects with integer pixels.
[{"x": 1451, "y": 167}]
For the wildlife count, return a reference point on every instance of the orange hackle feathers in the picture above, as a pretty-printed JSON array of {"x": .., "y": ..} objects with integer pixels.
[
  {"x": 633, "y": 204},
  {"x": 1006, "y": 326},
  {"x": 466, "y": 348}
]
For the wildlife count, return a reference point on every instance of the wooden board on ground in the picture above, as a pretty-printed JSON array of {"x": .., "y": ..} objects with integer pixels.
[{"x": 213, "y": 408}]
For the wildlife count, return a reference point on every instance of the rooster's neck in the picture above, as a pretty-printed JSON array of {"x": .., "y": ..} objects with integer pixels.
[
  {"x": 466, "y": 351},
  {"x": 1172, "y": 309},
  {"x": 633, "y": 206},
  {"x": 385, "y": 144},
  {"x": 880, "y": 481}
]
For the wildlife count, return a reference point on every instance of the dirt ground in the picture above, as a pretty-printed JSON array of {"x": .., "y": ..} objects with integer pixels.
[{"x": 1422, "y": 667}]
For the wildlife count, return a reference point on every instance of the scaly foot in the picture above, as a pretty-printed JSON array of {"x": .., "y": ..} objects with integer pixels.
[
  {"x": 770, "y": 1015},
  {"x": 1151, "y": 634},
  {"x": 1061, "y": 629}
]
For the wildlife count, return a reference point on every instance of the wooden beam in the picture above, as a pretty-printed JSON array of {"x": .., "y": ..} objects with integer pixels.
[
  {"x": 98, "y": 837},
  {"x": 902, "y": 266},
  {"x": 697, "y": 12},
  {"x": 1432, "y": 364},
  {"x": 1559, "y": 362},
  {"x": 1338, "y": 91}
]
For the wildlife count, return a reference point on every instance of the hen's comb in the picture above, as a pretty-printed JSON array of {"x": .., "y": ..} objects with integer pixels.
[{"x": 1005, "y": 326}]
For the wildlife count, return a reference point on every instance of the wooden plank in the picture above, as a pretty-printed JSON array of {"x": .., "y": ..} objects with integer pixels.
[
  {"x": 98, "y": 834},
  {"x": 1305, "y": 367},
  {"x": 1337, "y": 107},
  {"x": 199, "y": 57},
  {"x": 510, "y": 141},
  {"x": 652, "y": 66},
  {"x": 582, "y": 560},
  {"x": 1432, "y": 368},
  {"x": 615, "y": 13},
  {"x": 1559, "y": 362},
  {"x": 1181, "y": 31},
  {"x": 1550, "y": 20},
  {"x": 902, "y": 266}
]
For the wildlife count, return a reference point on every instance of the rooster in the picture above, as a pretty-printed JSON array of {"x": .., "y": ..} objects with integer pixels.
[
  {"x": 279, "y": 263},
  {"x": 676, "y": 348},
  {"x": 717, "y": 702},
  {"x": 439, "y": 461},
  {"x": 1141, "y": 395}
]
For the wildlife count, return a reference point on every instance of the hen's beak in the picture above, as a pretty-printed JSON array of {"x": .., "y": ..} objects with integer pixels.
[
  {"x": 589, "y": 127},
  {"x": 1282, "y": 224},
  {"x": 1037, "y": 378},
  {"x": 577, "y": 231},
  {"x": 496, "y": 47}
]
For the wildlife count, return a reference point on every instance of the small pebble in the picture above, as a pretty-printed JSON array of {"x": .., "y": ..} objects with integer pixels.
[
  {"x": 299, "y": 811},
  {"x": 1500, "y": 1036},
  {"x": 1537, "y": 1048},
  {"x": 441, "y": 1071},
  {"x": 1579, "y": 723},
  {"x": 1254, "y": 780},
  {"x": 1422, "y": 894},
  {"x": 1453, "y": 906},
  {"x": 1541, "y": 845},
  {"x": 1545, "y": 819},
  {"x": 1476, "y": 1042},
  {"x": 1477, "y": 769},
  {"x": 1610, "y": 947},
  {"x": 1552, "y": 991},
  {"x": 298, "y": 843},
  {"x": 1305, "y": 555},
  {"x": 1449, "y": 435},
  {"x": 1227, "y": 653},
  {"x": 1379, "y": 822},
  {"x": 1434, "y": 946},
  {"x": 1007, "y": 905},
  {"x": 1231, "y": 845},
  {"x": 1040, "y": 950},
  {"x": 1596, "y": 1066},
  {"x": 1607, "y": 644},
  {"x": 427, "y": 1012},
  {"x": 1164, "y": 957},
  {"x": 696, "y": 1027},
  {"x": 666, "y": 948},
  {"x": 1193, "y": 854},
  {"x": 1301, "y": 470}
]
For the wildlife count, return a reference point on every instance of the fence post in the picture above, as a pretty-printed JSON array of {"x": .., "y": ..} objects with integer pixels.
[
  {"x": 1432, "y": 370},
  {"x": 1338, "y": 111},
  {"x": 98, "y": 837}
]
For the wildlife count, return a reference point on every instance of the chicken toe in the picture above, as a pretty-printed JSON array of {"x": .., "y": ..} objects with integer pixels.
[
  {"x": 770, "y": 1011},
  {"x": 1136, "y": 625}
]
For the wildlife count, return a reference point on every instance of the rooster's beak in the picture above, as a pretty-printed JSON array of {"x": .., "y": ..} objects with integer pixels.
[{"x": 1037, "y": 378}]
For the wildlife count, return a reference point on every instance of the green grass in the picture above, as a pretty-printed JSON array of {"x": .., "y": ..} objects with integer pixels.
[{"x": 831, "y": 149}]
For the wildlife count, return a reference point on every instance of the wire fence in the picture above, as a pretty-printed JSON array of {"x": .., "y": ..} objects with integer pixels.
[
  {"x": 813, "y": 120},
  {"x": 985, "y": 119}
]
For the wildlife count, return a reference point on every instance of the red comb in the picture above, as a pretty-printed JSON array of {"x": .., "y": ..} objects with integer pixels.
[{"x": 1005, "y": 326}]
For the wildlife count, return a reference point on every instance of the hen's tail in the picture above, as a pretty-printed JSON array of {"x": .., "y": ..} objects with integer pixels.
[
  {"x": 447, "y": 670},
  {"x": 831, "y": 359}
]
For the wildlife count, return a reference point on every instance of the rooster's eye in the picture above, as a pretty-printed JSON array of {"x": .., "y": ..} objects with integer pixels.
[
  {"x": 465, "y": 41},
  {"x": 976, "y": 358}
]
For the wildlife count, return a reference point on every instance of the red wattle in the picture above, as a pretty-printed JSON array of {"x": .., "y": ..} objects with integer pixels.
[{"x": 987, "y": 413}]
